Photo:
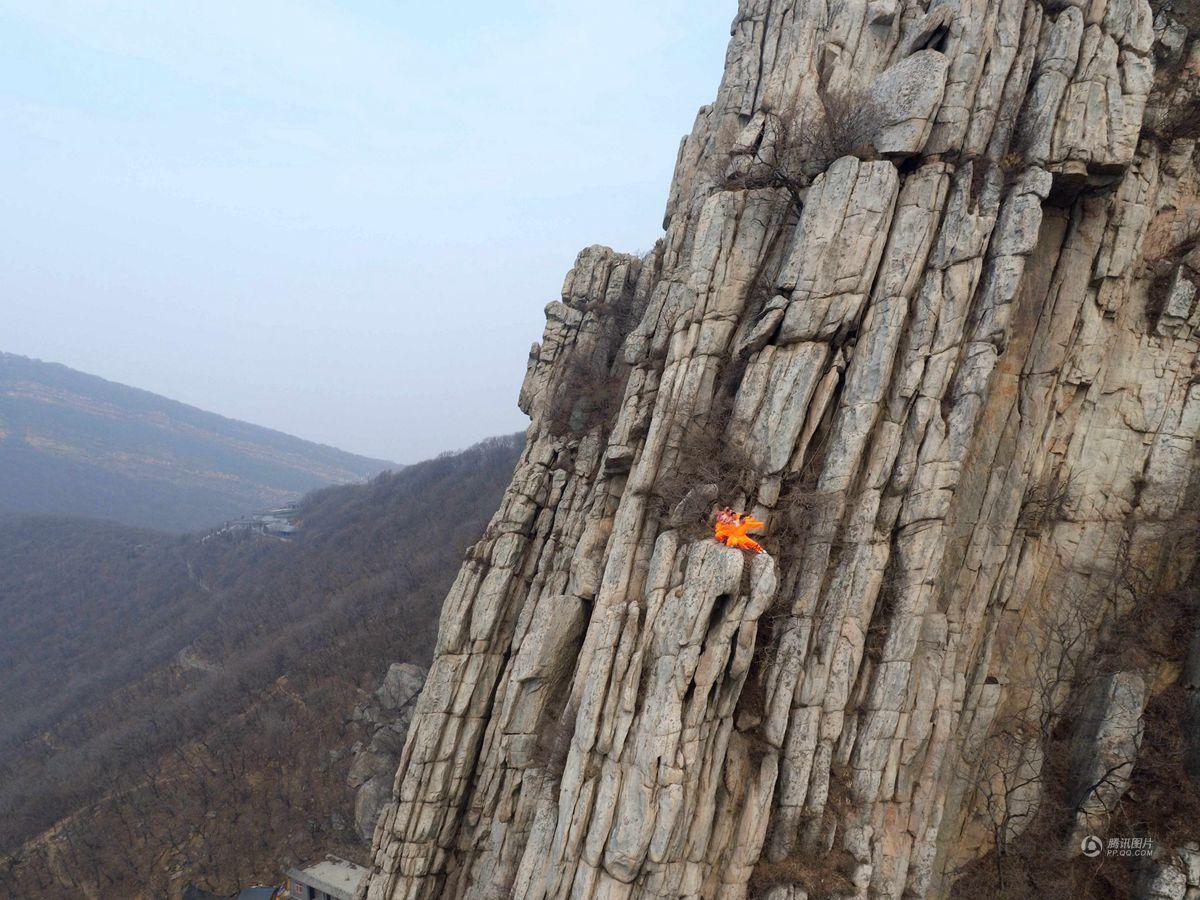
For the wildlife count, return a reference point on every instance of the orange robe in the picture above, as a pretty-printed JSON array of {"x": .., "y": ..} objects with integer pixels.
[{"x": 733, "y": 533}]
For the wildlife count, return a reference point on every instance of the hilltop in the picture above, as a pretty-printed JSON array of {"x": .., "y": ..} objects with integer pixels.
[{"x": 77, "y": 445}]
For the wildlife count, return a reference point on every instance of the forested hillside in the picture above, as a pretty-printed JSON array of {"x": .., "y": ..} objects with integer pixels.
[
  {"x": 74, "y": 444},
  {"x": 175, "y": 709}
]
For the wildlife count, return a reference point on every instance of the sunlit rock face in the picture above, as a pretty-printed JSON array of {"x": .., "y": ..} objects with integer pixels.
[{"x": 944, "y": 344}]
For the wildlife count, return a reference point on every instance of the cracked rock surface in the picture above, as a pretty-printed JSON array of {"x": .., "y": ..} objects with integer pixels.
[{"x": 955, "y": 371}]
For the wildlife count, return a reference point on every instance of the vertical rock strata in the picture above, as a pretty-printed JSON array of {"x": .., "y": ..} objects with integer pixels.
[{"x": 952, "y": 367}]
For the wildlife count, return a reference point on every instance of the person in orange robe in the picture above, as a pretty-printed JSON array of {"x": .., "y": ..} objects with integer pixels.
[{"x": 732, "y": 527}]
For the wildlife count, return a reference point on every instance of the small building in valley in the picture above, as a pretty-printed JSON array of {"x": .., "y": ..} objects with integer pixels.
[
  {"x": 333, "y": 878},
  {"x": 250, "y": 893}
]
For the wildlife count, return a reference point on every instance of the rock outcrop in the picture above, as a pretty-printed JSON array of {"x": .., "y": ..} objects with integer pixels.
[
  {"x": 949, "y": 354},
  {"x": 386, "y": 716}
]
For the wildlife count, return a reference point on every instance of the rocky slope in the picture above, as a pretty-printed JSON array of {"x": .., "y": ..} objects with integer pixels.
[{"x": 926, "y": 303}]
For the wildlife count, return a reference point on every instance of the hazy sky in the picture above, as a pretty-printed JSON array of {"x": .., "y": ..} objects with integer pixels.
[{"x": 342, "y": 220}]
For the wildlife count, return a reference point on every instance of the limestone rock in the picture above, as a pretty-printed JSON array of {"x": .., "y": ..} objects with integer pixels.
[
  {"x": 908, "y": 95},
  {"x": 401, "y": 684},
  {"x": 1105, "y": 749},
  {"x": 1165, "y": 881},
  {"x": 387, "y": 715},
  {"x": 954, "y": 372}
]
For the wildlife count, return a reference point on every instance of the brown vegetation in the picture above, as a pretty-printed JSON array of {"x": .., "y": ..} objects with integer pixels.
[
  {"x": 823, "y": 876},
  {"x": 706, "y": 469},
  {"x": 790, "y": 154},
  {"x": 554, "y": 736},
  {"x": 181, "y": 706},
  {"x": 1029, "y": 856},
  {"x": 587, "y": 395}
]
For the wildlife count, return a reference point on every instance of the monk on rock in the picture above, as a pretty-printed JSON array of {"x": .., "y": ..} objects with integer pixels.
[{"x": 732, "y": 527}]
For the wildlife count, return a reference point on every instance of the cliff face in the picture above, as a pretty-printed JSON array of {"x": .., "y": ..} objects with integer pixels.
[
  {"x": 926, "y": 303},
  {"x": 385, "y": 716}
]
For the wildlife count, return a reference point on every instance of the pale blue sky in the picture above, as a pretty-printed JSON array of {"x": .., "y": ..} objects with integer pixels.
[{"x": 342, "y": 220}]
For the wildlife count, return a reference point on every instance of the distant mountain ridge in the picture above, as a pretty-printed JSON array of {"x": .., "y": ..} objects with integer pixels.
[{"x": 75, "y": 444}]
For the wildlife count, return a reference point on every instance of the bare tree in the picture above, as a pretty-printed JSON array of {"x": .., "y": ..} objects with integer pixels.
[{"x": 789, "y": 153}]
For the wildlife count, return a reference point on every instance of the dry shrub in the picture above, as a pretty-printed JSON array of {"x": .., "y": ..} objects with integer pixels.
[
  {"x": 1001, "y": 173},
  {"x": 1162, "y": 621},
  {"x": 1154, "y": 636},
  {"x": 852, "y": 118},
  {"x": 881, "y": 619},
  {"x": 820, "y": 876},
  {"x": 1158, "y": 290},
  {"x": 1033, "y": 864},
  {"x": 587, "y": 395},
  {"x": 589, "y": 384},
  {"x": 1045, "y": 503},
  {"x": 795, "y": 515},
  {"x": 822, "y": 873},
  {"x": 707, "y": 470},
  {"x": 554, "y": 736},
  {"x": 1163, "y": 799},
  {"x": 790, "y": 154},
  {"x": 1162, "y": 802},
  {"x": 1040, "y": 871}
]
